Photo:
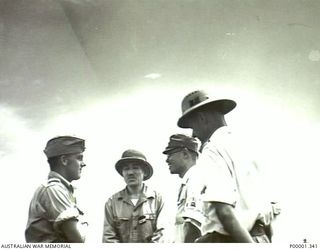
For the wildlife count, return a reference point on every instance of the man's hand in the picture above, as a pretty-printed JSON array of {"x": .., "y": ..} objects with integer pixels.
[
  {"x": 156, "y": 235},
  {"x": 70, "y": 230}
]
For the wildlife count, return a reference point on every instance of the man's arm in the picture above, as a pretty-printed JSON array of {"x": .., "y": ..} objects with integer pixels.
[
  {"x": 109, "y": 232},
  {"x": 62, "y": 210},
  {"x": 191, "y": 232},
  {"x": 70, "y": 230},
  {"x": 231, "y": 223}
]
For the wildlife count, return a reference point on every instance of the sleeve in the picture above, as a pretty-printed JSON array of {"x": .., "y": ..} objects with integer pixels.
[
  {"x": 219, "y": 185},
  {"x": 192, "y": 210},
  {"x": 109, "y": 230},
  {"x": 59, "y": 205}
]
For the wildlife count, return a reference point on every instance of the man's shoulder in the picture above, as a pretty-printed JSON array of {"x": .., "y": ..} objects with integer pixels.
[
  {"x": 52, "y": 192},
  {"x": 53, "y": 188},
  {"x": 118, "y": 194},
  {"x": 151, "y": 192},
  {"x": 54, "y": 184},
  {"x": 51, "y": 184}
]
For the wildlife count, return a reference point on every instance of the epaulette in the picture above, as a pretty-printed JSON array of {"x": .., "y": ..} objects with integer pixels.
[{"x": 52, "y": 181}]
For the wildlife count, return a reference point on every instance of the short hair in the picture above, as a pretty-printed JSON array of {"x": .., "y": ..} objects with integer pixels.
[{"x": 54, "y": 162}]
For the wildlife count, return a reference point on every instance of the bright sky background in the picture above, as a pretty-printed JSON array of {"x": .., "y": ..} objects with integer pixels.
[{"x": 115, "y": 73}]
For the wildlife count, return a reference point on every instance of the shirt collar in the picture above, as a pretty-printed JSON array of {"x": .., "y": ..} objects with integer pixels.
[
  {"x": 220, "y": 132},
  {"x": 216, "y": 136},
  {"x": 146, "y": 192},
  {"x": 60, "y": 178}
]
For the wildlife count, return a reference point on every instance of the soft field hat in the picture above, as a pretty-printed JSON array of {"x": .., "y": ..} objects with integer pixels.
[
  {"x": 181, "y": 141},
  {"x": 132, "y": 155},
  {"x": 62, "y": 145},
  {"x": 200, "y": 98}
]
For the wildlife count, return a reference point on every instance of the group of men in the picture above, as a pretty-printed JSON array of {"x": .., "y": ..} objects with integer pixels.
[{"x": 220, "y": 199}]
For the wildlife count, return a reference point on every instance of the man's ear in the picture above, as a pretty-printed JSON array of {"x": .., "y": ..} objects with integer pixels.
[
  {"x": 64, "y": 160},
  {"x": 185, "y": 153},
  {"x": 144, "y": 173}
]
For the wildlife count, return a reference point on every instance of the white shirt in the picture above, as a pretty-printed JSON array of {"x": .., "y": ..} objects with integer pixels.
[
  {"x": 189, "y": 203},
  {"x": 230, "y": 177}
]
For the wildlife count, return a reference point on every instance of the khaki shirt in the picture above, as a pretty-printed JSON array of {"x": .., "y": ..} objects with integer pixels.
[
  {"x": 52, "y": 204},
  {"x": 126, "y": 222}
]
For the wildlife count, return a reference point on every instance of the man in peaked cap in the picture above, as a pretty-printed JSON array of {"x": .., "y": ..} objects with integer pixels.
[
  {"x": 182, "y": 154},
  {"x": 131, "y": 215},
  {"x": 233, "y": 204},
  {"x": 53, "y": 213}
]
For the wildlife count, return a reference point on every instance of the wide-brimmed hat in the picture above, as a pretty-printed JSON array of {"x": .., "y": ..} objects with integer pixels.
[
  {"x": 200, "y": 98},
  {"x": 61, "y": 145},
  {"x": 132, "y": 155},
  {"x": 181, "y": 141}
]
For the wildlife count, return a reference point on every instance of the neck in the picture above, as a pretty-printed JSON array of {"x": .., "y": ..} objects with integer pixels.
[
  {"x": 62, "y": 173},
  {"x": 216, "y": 121},
  {"x": 186, "y": 170},
  {"x": 183, "y": 174},
  {"x": 135, "y": 190}
]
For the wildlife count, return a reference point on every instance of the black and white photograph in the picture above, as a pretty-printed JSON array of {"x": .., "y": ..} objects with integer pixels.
[{"x": 159, "y": 121}]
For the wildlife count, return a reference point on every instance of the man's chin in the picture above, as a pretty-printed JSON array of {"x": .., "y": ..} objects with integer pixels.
[
  {"x": 172, "y": 172},
  {"x": 76, "y": 178}
]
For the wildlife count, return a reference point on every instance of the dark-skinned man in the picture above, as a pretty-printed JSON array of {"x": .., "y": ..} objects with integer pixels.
[
  {"x": 182, "y": 154},
  {"x": 233, "y": 205}
]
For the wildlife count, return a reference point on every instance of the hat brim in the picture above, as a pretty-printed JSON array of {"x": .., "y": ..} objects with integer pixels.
[
  {"x": 223, "y": 105},
  {"x": 167, "y": 150},
  {"x": 147, "y": 168}
]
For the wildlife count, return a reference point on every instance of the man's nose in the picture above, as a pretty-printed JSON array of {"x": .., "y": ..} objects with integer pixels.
[{"x": 83, "y": 164}]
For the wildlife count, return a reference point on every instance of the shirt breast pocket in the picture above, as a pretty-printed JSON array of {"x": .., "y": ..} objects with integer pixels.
[
  {"x": 122, "y": 223},
  {"x": 146, "y": 218}
]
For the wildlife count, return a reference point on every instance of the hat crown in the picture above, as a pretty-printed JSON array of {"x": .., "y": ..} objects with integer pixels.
[
  {"x": 64, "y": 145},
  {"x": 182, "y": 141},
  {"x": 131, "y": 153},
  {"x": 200, "y": 99},
  {"x": 193, "y": 99}
]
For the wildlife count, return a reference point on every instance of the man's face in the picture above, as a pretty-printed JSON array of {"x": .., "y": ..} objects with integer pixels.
[
  {"x": 74, "y": 166},
  {"x": 176, "y": 160},
  {"x": 133, "y": 174}
]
